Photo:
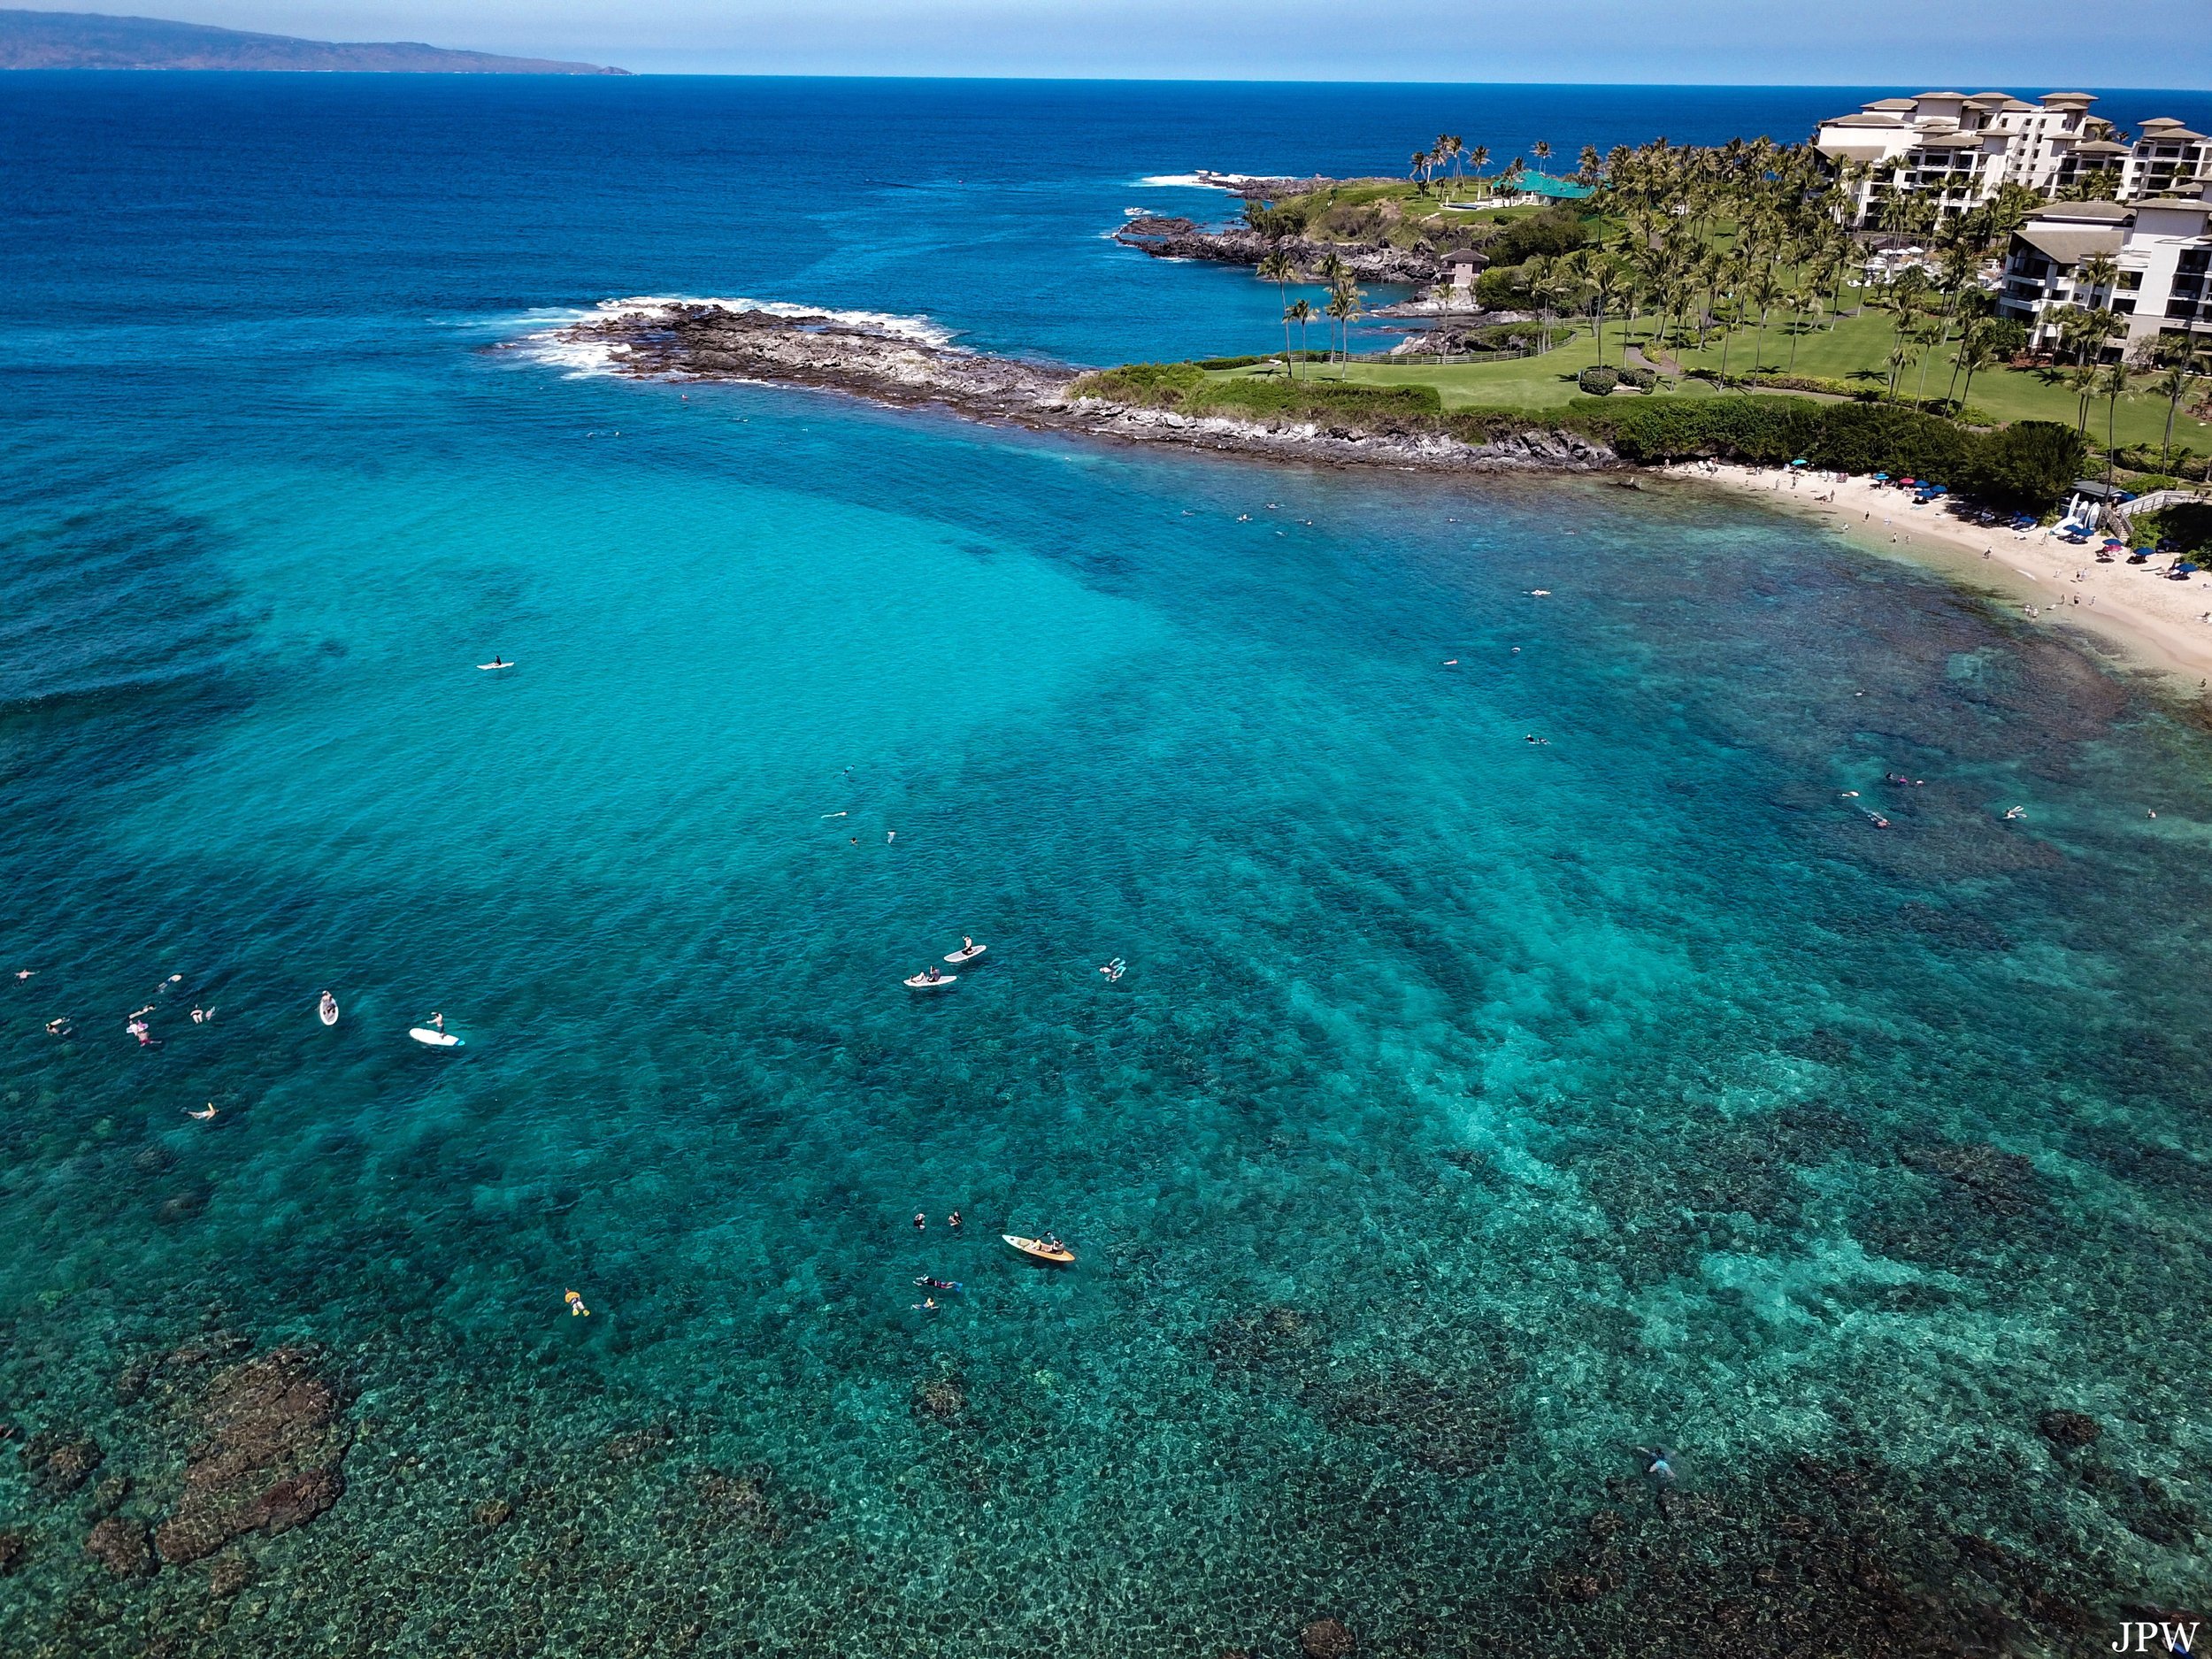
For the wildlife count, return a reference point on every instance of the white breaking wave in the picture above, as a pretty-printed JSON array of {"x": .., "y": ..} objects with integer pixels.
[
  {"x": 554, "y": 339},
  {"x": 1191, "y": 180}
]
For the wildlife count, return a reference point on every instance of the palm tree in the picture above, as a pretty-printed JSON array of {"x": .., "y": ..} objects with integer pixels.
[
  {"x": 1417, "y": 171},
  {"x": 1978, "y": 349},
  {"x": 1300, "y": 311},
  {"x": 2182, "y": 366},
  {"x": 1898, "y": 357},
  {"x": 1448, "y": 149},
  {"x": 1277, "y": 268},
  {"x": 1342, "y": 307},
  {"x": 2092, "y": 275},
  {"x": 1541, "y": 151},
  {"x": 2082, "y": 381},
  {"x": 1602, "y": 271},
  {"x": 1590, "y": 165},
  {"x": 1478, "y": 158},
  {"x": 2112, "y": 380}
]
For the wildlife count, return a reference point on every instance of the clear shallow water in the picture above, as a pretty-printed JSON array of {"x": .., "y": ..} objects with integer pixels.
[{"x": 1473, "y": 1111}]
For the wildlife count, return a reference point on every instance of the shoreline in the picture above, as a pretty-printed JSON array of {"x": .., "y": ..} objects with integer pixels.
[{"x": 2128, "y": 616}]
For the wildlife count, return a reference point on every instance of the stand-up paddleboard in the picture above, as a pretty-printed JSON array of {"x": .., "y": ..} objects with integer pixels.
[
  {"x": 326, "y": 1010},
  {"x": 1037, "y": 1250},
  {"x": 966, "y": 953},
  {"x": 923, "y": 982},
  {"x": 490, "y": 666},
  {"x": 434, "y": 1039}
]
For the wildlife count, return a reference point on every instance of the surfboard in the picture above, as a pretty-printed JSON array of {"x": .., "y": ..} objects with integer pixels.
[
  {"x": 959, "y": 957},
  {"x": 492, "y": 666},
  {"x": 434, "y": 1039},
  {"x": 922, "y": 983},
  {"x": 326, "y": 1010}
]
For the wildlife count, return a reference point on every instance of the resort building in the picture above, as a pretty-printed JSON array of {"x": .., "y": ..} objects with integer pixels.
[
  {"x": 2146, "y": 262},
  {"x": 2167, "y": 159},
  {"x": 1959, "y": 150}
]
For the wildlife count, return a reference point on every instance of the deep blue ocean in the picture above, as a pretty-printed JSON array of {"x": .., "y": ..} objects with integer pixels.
[{"x": 1473, "y": 1110}]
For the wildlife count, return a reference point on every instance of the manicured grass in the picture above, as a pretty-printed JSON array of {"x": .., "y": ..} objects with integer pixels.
[{"x": 1854, "y": 349}]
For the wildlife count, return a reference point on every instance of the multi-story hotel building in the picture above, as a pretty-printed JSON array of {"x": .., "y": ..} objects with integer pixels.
[
  {"x": 2160, "y": 251},
  {"x": 1960, "y": 149}
]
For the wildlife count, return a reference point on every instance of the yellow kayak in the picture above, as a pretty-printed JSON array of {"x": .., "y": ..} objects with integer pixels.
[{"x": 1037, "y": 1249}]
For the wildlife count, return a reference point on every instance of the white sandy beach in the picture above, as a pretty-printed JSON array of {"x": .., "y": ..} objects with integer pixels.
[{"x": 2131, "y": 612}]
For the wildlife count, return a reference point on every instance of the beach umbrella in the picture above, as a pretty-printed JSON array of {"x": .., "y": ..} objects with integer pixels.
[
  {"x": 1881, "y": 478},
  {"x": 1799, "y": 462}
]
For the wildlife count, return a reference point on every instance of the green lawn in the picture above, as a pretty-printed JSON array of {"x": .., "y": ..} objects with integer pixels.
[{"x": 1858, "y": 343}]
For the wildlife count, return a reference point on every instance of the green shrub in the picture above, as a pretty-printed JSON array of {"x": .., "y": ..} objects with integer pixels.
[
  {"x": 1557, "y": 230},
  {"x": 1597, "y": 380},
  {"x": 2029, "y": 464},
  {"x": 1642, "y": 380}
]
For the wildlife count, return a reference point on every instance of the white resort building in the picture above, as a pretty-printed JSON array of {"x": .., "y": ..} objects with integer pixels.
[
  {"x": 1960, "y": 149},
  {"x": 2159, "y": 249}
]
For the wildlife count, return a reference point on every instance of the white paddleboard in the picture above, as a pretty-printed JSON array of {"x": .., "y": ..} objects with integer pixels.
[
  {"x": 488, "y": 667},
  {"x": 959, "y": 957},
  {"x": 918, "y": 983},
  {"x": 326, "y": 1010},
  {"x": 434, "y": 1039}
]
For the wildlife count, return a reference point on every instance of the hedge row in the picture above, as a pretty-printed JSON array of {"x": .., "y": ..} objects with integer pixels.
[{"x": 2029, "y": 464}]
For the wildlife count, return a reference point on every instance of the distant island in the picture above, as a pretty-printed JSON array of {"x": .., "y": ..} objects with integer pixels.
[{"x": 91, "y": 40}]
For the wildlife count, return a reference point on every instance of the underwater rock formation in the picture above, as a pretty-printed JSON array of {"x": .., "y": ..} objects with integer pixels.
[{"x": 275, "y": 1439}]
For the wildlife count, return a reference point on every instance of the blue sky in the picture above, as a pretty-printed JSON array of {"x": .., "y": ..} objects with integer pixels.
[{"x": 1992, "y": 42}]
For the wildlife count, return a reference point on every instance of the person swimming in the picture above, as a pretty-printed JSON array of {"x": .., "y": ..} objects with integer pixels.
[
  {"x": 1114, "y": 969},
  {"x": 58, "y": 1027},
  {"x": 953, "y": 1221},
  {"x": 204, "y": 1115},
  {"x": 576, "y": 1308},
  {"x": 1659, "y": 1469}
]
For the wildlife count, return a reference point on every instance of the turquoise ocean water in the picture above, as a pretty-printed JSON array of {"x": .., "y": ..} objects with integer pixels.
[{"x": 1473, "y": 1110}]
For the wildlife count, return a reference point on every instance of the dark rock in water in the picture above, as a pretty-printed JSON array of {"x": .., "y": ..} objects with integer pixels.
[
  {"x": 230, "y": 1575},
  {"x": 2003, "y": 1183},
  {"x": 2070, "y": 1429},
  {"x": 182, "y": 1206},
  {"x": 120, "y": 1546},
  {"x": 900, "y": 365},
  {"x": 154, "y": 1160},
  {"x": 942, "y": 1399},
  {"x": 1256, "y": 1341},
  {"x": 275, "y": 1441},
  {"x": 108, "y": 1496},
  {"x": 492, "y": 1512},
  {"x": 1325, "y": 1639},
  {"x": 58, "y": 1464},
  {"x": 14, "y": 1546},
  {"x": 738, "y": 1502},
  {"x": 628, "y": 1449},
  {"x": 1460, "y": 1428},
  {"x": 2141, "y": 1504},
  {"x": 1952, "y": 927}
]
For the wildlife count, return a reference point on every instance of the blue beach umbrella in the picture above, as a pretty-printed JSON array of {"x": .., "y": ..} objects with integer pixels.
[
  {"x": 1799, "y": 462},
  {"x": 1881, "y": 478}
]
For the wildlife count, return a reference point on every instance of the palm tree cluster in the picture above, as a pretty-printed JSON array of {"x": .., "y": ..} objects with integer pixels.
[
  {"x": 1718, "y": 237},
  {"x": 1448, "y": 152}
]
